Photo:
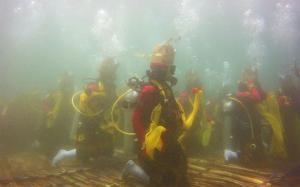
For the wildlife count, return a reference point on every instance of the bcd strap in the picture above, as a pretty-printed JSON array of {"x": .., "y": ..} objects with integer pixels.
[
  {"x": 161, "y": 90},
  {"x": 153, "y": 139}
]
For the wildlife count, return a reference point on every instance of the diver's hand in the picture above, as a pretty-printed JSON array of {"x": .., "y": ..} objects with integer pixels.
[
  {"x": 196, "y": 90},
  {"x": 230, "y": 155}
]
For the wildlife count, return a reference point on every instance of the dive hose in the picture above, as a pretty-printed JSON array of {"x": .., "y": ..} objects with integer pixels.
[
  {"x": 253, "y": 146},
  {"x": 81, "y": 112},
  {"x": 100, "y": 111},
  {"x": 112, "y": 114}
]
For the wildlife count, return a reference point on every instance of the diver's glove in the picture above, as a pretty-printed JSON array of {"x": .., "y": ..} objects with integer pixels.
[
  {"x": 133, "y": 169},
  {"x": 63, "y": 154},
  {"x": 230, "y": 155}
]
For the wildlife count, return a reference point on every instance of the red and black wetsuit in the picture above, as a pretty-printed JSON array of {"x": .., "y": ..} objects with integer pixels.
[
  {"x": 249, "y": 94},
  {"x": 162, "y": 170}
]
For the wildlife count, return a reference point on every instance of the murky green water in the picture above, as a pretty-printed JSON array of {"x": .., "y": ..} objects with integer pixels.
[{"x": 39, "y": 40}]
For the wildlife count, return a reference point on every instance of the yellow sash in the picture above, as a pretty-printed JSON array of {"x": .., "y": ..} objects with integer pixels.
[
  {"x": 153, "y": 139},
  {"x": 269, "y": 109}
]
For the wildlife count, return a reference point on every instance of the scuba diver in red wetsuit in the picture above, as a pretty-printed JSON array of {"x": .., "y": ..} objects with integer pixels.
[
  {"x": 158, "y": 124},
  {"x": 242, "y": 123}
]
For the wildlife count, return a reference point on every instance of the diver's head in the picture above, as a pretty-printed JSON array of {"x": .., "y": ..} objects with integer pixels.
[
  {"x": 108, "y": 70},
  {"x": 162, "y": 62}
]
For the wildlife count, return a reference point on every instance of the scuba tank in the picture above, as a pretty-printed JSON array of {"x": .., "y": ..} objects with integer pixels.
[
  {"x": 228, "y": 138},
  {"x": 228, "y": 112},
  {"x": 128, "y": 105},
  {"x": 245, "y": 132},
  {"x": 238, "y": 125}
]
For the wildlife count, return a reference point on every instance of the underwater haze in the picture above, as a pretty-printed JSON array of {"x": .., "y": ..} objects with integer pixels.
[{"x": 42, "y": 38}]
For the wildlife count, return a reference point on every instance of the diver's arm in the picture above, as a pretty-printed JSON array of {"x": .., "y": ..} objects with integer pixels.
[
  {"x": 255, "y": 94},
  {"x": 243, "y": 94},
  {"x": 142, "y": 112},
  {"x": 189, "y": 120},
  {"x": 183, "y": 98},
  {"x": 138, "y": 125},
  {"x": 52, "y": 114},
  {"x": 256, "y": 91}
]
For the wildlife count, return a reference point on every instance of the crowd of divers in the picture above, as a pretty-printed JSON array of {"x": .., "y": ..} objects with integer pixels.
[{"x": 249, "y": 126}]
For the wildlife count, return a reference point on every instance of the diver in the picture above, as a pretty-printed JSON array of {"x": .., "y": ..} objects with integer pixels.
[
  {"x": 242, "y": 122},
  {"x": 191, "y": 143},
  {"x": 158, "y": 124},
  {"x": 289, "y": 102},
  {"x": 94, "y": 139},
  {"x": 58, "y": 116}
]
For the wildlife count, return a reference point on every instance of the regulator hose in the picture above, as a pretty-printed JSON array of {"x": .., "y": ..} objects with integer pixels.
[
  {"x": 77, "y": 108},
  {"x": 112, "y": 115},
  {"x": 249, "y": 118}
]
